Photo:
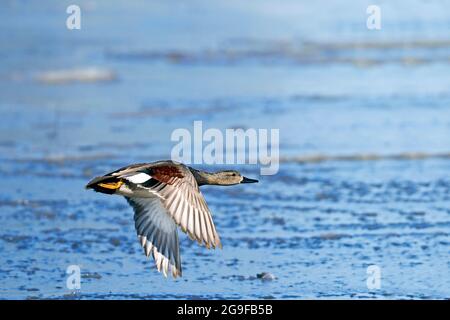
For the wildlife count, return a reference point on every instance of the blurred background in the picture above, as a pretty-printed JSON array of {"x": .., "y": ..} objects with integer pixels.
[{"x": 364, "y": 123}]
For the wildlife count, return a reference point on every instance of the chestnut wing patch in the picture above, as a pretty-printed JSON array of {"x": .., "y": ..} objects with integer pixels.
[{"x": 166, "y": 174}]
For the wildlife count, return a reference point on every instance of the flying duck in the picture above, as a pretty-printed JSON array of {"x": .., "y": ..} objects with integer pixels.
[{"x": 164, "y": 195}]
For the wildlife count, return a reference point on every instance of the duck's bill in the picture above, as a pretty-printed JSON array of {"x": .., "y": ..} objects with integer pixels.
[{"x": 248, "y": 180}]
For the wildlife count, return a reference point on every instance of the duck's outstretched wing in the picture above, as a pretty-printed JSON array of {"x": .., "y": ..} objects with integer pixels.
[
  {"x": 178, "y": 192},
  {"x": 157, "y": 233}
]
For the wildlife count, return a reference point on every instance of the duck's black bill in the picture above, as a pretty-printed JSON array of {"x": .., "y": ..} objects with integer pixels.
[{"x": 247, "y": 180}]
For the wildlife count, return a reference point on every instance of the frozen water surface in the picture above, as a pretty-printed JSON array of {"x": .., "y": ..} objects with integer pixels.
[{"x": 364, "y": 124}]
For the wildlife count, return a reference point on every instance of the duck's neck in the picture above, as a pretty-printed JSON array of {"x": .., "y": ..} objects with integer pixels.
[{"x": 204, "y": 178}]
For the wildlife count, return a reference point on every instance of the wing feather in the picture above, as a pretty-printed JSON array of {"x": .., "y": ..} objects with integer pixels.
[
  {"x": 157, "y": 234},
  {"x": 178, "y": 190}
]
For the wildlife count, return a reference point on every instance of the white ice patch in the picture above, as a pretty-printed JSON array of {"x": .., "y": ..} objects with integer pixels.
[{"x": 139, "y": 178}]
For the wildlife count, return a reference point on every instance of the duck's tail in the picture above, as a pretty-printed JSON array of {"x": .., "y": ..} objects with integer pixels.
[{"x": 105, "y": 184}]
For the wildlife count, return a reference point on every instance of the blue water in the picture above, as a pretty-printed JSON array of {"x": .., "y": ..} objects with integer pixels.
[{"x": 364, "y": 123}]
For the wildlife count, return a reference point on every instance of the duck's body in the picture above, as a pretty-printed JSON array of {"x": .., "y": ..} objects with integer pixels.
[{"x": 164, "y": 195}]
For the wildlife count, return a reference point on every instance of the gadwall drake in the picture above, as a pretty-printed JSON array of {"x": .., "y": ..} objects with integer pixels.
[{"x": 164, "y": 195}]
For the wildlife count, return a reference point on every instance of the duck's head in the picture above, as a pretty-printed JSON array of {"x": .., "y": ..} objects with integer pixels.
[{"x": 231, "y": 177}]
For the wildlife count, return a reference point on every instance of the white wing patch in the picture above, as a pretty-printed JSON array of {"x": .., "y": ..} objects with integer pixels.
[{"x": 138, "y": 178}]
